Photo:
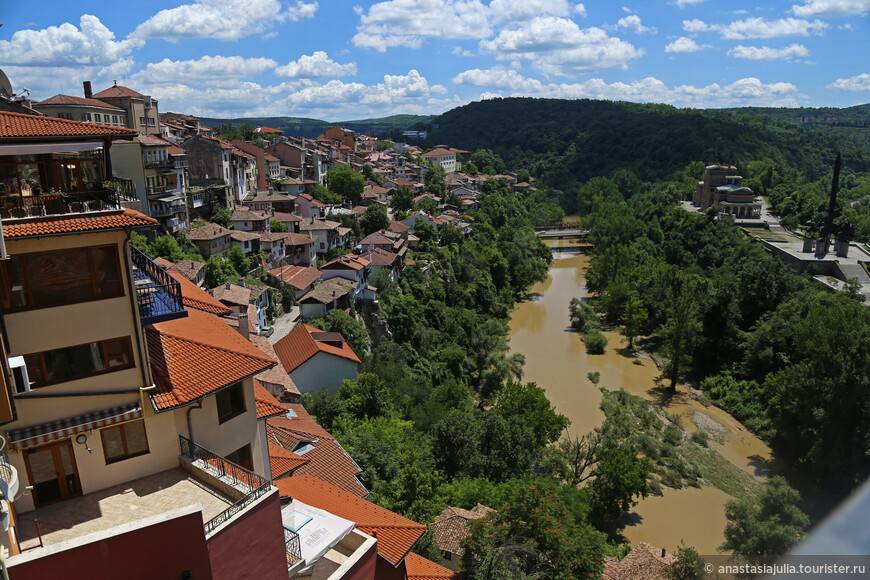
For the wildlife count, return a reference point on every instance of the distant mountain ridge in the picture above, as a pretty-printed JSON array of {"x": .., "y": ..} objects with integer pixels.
[
  {"x": 569, "y": 141},
  {"x": 312, "y": 128}
]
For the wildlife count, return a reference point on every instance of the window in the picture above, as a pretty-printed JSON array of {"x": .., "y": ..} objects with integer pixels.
[
  {"x": 242, "y": 456},
  {"x": 230, "y": 402},
  {"x": 96, "y": 117},
  {"x": 115, "y": 119},
  {"x": 124, "y": 441},
  {"x": 80, "y": 361},
  {"x": 58, "y": 277}
]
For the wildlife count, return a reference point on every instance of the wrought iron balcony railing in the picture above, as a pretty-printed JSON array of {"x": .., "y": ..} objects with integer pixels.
[
  {"x": 17, "y": 206},
  {"x": 157, "y": 293},
  {"x": 255, "y": 485}
]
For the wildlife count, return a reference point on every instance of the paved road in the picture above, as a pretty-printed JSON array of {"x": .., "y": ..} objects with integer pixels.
[{"x": 284, "y": 325}]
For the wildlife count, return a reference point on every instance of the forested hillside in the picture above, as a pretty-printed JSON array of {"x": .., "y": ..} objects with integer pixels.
[
  {"x": 566, "y": 142},
  {"x": 312, "y": 128},
  {"x": 849, "y": 122}
]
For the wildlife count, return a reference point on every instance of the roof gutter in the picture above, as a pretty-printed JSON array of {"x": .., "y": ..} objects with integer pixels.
[{"x": 202, "y": 397}]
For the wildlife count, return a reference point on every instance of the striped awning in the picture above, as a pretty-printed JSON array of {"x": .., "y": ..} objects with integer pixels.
[{"x": 36, "y": 434}]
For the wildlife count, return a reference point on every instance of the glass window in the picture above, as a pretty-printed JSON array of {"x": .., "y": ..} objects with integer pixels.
[
  {"x": 242, "y": 456},
  {"x": 124, "y": 441},
  {"x": 230, "y": 402},
  {"x": 54, "y": 278},
  {"x": 76, "y": 362}
]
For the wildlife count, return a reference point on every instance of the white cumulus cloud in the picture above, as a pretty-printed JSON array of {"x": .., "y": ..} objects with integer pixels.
[
  {"x": 499, "y": 77},
  {"x": 684, "y": 44},
  {"x": 684, "y": 3},
  {"x": 514, "y": 10},
  {"x": 632, "y": 23},
  {"x": 558, "y": 46},
  {"x": 207, "y": 68},
  {"x": 65, "y": 45},
  {"x": 859, "y": 82},
  {"x": 315, "y": 65},
  {"x": 790, "y": 52},
  {"x": 221, "y": 19},
  {"x": 408, "y": 22},
  {"x": 831, "y": 8}
]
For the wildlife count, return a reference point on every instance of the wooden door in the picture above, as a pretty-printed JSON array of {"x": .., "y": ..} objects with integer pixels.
[{"x": 52, "y": 472}]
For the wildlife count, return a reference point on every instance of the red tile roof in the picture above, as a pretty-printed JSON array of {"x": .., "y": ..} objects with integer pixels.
[
  {"x": 282, "y": 461},
  {"x": 190, "y": 269},
  {"x": 451, "y": 526},
  {"x": 230, "y": 293},
  {"x": 348, "y": 262},
  {"x": 196, "y": 356},
  {"x": 163, "y": 262},
  {"x": 76, "y": 223},
  {"x": 267, "y": 405},
  {"x": 644, "y": 562},
  {"x": 70, "y": 100},
  {"x": 118, "y": 91},
  {"x": 396, "y": 535},
  {"x": 192, "y": 296},
  {"x": 419, "y": 568},
  {"x": 299, "y": 346},
  {"x": 269, "y": 130},
  {"x": 299, "y": 277},
  {"x": 208, "y": 232},
  {"x": 276, "y": 375},
  {"x": 19, "y": 125}
]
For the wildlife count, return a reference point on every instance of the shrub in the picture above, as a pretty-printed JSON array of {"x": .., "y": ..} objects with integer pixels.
[{"x": 595, "y": 342}]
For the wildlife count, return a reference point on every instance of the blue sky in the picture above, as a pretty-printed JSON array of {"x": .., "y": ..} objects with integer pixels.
[{"x": 339, "y": 60}]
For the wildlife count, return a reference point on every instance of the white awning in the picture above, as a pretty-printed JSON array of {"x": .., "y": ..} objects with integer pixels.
[
  {"x": 60, "y": 147},
  {"x": 319, "y": 531}
]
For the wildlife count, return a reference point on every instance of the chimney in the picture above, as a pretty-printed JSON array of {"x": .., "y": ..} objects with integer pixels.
[
  {"x": 88, "y": 92},
  {"x": 242, "y": 282},
  {"x": 243, "y": 325},
  {"x": 228, "y": 284},
  {"x": 663, "y": 552}
]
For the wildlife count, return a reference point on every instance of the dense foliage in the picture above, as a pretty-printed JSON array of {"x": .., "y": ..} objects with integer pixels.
[
  {"x": 790, "y": 359},
  {"x": 569, "y": 141}
]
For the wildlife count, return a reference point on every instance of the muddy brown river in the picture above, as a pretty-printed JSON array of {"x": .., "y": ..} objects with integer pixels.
[{"x": 557, "y": 361}]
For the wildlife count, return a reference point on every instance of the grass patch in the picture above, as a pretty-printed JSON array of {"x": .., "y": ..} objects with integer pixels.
[{"x": 679, "y": 459}]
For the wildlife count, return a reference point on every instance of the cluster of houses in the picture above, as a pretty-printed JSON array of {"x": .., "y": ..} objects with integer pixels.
[{"x": 149, "y": 428}]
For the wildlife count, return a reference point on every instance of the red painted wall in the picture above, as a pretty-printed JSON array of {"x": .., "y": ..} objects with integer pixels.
[
  {"x": 163, "y": 550},
  {"x": 253, "y": 547},
  {"x": 386, "y": 571},
  {"x": 365, "y": 567}
]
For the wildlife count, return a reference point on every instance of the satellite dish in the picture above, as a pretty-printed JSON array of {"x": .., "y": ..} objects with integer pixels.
[{"x": 5, "y": 86}]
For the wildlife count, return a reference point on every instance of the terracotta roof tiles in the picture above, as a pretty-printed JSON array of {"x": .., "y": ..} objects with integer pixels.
[
  {"x": 192, "y": 296},
  {"x": 276, "y": 375},
  {"x": 195, "y": 356},
  {"x": 267, "y": 405},
  {"x": 208, "y": 232},
  {"x": 419, "y": 568},
  {"x": 283, "y": 462},
  {"x": 300, "y": 345},
  {"x": 19, "y": 125},
  {"x": 190, "y": 269},
  {"x": 75, "y": 223},
  {"x": 328, "y": 290},
  {"x": 232, "y": 294},
  {"x": 300, "y": 277},
  {"x": 451, "y": 526},
  {"x": 71, "y": 100},
  {"x": 118, "y": 91},
  {"x": 396, "y": 535}
]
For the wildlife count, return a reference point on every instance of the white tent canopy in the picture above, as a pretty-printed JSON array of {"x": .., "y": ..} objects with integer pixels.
[{"x": 319, "y": 531}]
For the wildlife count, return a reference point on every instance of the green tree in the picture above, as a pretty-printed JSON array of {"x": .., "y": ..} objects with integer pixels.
[
  {"x": 487, "y": 162},
  {"x": 530, "y": 402},
  {"x": 167, "y": 247},
  {"x": 277, "y": 227},
  {"x": 769, "y": 525},
  {"x": 375, "y": 218},
  {"x": 433, "y": 181},
  {"x": 688, "y": 565},
  {"x": 239, "y": 260},
  {"x": 323, "y": 195},
  {"x": 633, "y": 319},
  {"x": 620, "y": 476},
  {"x": 680, "y": 328},
  {"x": 346, "y": 182},
  {"x": 367, "y": 396},
  {"x": 536, "y": 532},
  {"x": 369, "y": 174},
  {"x": 402, "y": 199},
  {"x": 288, "y": 297},
  {"x": 218, "y": 270},
  {"x": 595, "y": 342},
  {"x": 221, "y": 216},
  {"x": 351, "y": 329},
  {"x": 583, "y": 317}
]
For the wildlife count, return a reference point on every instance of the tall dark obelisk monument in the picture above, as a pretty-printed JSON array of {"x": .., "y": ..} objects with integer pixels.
[{"x": 825, "y": 238}]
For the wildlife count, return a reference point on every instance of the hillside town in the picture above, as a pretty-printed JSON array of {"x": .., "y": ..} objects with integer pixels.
[{"x": 177, "y": 408}]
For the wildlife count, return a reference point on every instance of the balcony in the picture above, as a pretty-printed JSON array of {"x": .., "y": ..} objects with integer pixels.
[
  {"x": 222, "y": 488},
  {"x": 8, "y": 474},
  {"x": 17, "y": 207},
  {"x": 159, "y": 164},
  {"x": 180, "y": 163},
  {"x": 158, "y": 293}
]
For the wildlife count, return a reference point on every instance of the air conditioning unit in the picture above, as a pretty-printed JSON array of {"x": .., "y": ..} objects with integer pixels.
[{"x": 19, "y": 374}]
